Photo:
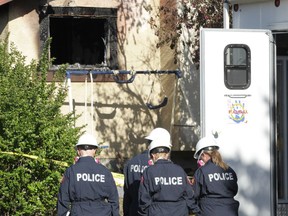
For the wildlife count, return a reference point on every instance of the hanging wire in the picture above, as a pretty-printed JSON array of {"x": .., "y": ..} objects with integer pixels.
[
  {"x": 85, "y": 99},
  {"x": 69, "y": 86},
  {"x": 164, "y": 101},
  {"x": 115, "y": 74},
  {"x": 92, "y": 101}
]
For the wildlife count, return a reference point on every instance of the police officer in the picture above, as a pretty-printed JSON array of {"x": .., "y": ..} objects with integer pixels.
[
  {"x": 214, "y": 183},
  {"x": 164, "y": 189},
  {"x": 88, "y": 187},
  {"x": 133, "y": 170}
]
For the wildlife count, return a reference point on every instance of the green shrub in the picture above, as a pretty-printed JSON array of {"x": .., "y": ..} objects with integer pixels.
[{"x": 34, "y": 135}]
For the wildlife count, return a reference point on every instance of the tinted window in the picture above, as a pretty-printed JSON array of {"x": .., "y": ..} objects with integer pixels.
[{"x": 237, "y": 68}]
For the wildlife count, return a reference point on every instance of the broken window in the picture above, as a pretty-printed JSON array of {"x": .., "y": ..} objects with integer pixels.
[
  {"x": 77, "y": 40},
  {"x": 80, "y": 36}
]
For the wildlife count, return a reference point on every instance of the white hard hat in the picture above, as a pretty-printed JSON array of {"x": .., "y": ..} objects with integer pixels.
[
  {"x": 156, "y": 143},
  {"x": 87, "y": 139},
  {"x": 159, "y": 133},
  {"x": 205, "y": 143}
]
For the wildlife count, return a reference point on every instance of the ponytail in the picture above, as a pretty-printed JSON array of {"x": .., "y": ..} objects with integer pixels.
[{"x": 216, "y": 158}]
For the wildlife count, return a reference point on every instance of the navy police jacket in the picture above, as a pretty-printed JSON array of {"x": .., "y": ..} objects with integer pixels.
[
  {"x": 215, "y": 189},
  {"x": 165, "y": 191},
  {"x": 133, "y": 170},
  {"x": 89, "y": 188}
]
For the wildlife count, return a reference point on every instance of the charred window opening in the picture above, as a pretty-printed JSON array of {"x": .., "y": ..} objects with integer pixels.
[
  {"x": 77, "y": 40},
  {"x": 80, "y": 36}
]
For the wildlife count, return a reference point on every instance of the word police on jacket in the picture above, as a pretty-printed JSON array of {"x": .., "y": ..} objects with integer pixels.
[
  {"x": 220, "y": 176},
  {"x": 168, "y": 180},
  {"x": 90, "y": 177},
  {"x": 137, "y": 168}
]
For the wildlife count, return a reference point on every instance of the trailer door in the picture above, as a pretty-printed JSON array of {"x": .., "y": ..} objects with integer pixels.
[{"x": 237, "y": 107}]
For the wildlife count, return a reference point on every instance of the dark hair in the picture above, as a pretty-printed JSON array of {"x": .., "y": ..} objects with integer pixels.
[
  {"x": 86, "y": 147},
  {"x": 159, "y": 150}
]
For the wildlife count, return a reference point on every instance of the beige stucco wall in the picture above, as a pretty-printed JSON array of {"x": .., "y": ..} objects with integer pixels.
[
  {"x": 119, "y": 117},
  {"x": 23, "y": 28}
]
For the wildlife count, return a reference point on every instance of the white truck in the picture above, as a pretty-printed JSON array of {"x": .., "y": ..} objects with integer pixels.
[
  {"x": 244, "y": 100},
  {"x": 237, "y": 88}
]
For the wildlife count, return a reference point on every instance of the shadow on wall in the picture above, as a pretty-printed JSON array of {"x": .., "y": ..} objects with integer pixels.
[
  {"x": 253, "y": 181},
  {"x": 121, "y": 128},
  {"x": 129, "y": 18},
  {"x": 254, "y": 188}
]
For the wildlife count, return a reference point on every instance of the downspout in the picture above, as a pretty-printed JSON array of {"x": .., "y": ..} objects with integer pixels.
[{"x": 225, "y": 14}]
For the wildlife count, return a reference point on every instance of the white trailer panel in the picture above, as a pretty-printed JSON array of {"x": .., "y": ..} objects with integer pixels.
[{"x": 237, "y": 106}]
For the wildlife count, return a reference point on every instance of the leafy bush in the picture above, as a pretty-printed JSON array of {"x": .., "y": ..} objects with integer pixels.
[{"x": 34, "y": 135}]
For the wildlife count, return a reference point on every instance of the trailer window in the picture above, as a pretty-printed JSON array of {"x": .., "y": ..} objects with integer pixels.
[{"x": 237, "y": 73}]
